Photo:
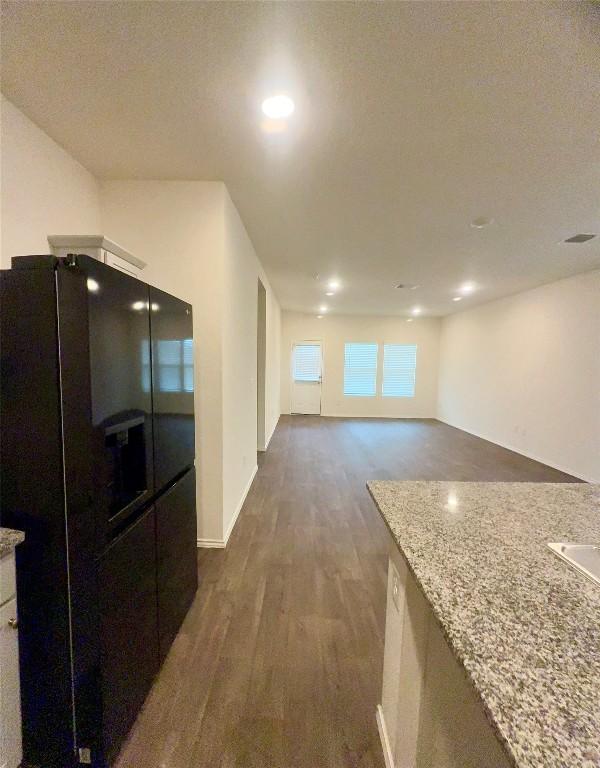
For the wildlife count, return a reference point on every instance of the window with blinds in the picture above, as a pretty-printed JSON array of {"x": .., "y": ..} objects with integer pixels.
[
  {"x": 399, "y": 370},
  {"x": 307, "y": 362},
  {"x": 360, "y": 369},
  {"x": 175, "y": 365}
]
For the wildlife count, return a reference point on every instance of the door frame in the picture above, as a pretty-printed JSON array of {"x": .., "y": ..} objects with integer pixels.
[{"x": 291, "y": 370}]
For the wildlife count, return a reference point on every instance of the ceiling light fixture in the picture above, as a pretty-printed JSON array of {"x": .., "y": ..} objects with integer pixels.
[
  {"x": 322, "y": 308},
  {"x": 457, "y": 298},
  {"x": 409, "y": 319},
  {"x": 333, "y": 285},
  {"x": 319, "y": 317},
  {"x": 278, "y": 107},
  {"x": 467, "y": 288},
  {"x": 416, "y": 311},
  {"x": 138, "y": 305},
  {"x": 330, "y": 293},
  {"x": 92, "y": 285}
]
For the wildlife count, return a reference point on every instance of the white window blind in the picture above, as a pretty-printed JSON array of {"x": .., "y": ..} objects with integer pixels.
[
  {"x": 145, "y": 365},
  {"x": 360, "y": 369},
  {"x": 399, "y": 369},
  {"x": 307, "y": 362},
  {"x": 175, "y": 368},
  {"x": 188, "y": 365}
]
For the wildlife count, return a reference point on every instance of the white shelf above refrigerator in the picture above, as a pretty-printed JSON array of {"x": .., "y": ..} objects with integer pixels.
[{"x": 97, "y": 247}]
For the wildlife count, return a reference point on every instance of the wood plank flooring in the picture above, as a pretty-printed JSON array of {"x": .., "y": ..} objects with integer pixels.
[{"x": 278, "y": 663}]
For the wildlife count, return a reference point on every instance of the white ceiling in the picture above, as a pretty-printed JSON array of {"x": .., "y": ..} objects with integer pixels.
[{"x": 412, "y": 119}]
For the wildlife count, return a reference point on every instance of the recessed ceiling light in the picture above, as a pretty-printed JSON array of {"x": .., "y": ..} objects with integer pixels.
[
  {"x": 457, "y": 298},
  {"x": 319, "y": 317},
  {"x": 278, "y": 107},
  {"x": 322, "y": 308},
  {"x": 466, "y": 288},
  {"x": 93, "y": 285},
  {"x": 333, "y": 285},
  {"x": 481, "y": 221},
  {"x": 417, "y": 311},
  {"x": 409, "y": 319}
]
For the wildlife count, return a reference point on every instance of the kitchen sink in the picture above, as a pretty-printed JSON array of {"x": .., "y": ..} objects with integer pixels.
[{"x": 584, "y": 557}]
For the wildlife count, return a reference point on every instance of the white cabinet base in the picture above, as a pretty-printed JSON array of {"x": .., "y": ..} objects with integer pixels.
[
  {"x": 10, "y": 703},
  {"x": 430, "y": 715}
]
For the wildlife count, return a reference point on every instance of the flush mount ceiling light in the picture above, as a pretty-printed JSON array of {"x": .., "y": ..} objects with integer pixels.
[
  {"x": 481, "y": 221},
  {"x": 278, "y": 107},
  {"x": 579, "y": 238},
  {"x": 92, "y": 285},
  {"x": 416, "y": 311}
]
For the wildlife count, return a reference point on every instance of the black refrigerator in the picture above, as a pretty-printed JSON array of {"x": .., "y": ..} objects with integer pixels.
[{"x": 97, "y": 467}]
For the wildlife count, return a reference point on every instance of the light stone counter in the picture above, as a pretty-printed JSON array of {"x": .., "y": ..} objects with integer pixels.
[
  {"x": 9, "y": 539},
  {"x": 524, "y": 625}
]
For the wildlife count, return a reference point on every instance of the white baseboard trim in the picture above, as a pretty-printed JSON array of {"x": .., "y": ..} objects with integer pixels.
[
  {"x": 373, "y": 416},
  {"x": 210, "y": 543},
  {"x": 385, "y": 742},
  {"x": 222, "y": 543},
  {"x": 527, "y": 454},
  {"x": 238, "y": 509},
  {"x": 268, "y": 440}
]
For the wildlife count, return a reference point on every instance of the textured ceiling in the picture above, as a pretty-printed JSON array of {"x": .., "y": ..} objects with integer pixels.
[{"x": 412, "y": 119}]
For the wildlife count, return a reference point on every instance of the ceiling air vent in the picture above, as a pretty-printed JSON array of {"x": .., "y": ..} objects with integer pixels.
[{"x": 579, "y": 238}]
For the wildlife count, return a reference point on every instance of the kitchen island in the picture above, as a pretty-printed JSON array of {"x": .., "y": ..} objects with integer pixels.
[{"x": 492, "y": 651}]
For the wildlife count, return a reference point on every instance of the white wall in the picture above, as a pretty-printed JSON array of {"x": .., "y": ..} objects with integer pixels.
[
  {"x": 334, "y": 331},
  {"x": 177, "y": 228},
  {"x": 524, "y": 372},
  {"x": 197, "y": 248},
  {"x": 44, "y": 190},
  {"x": 241, "y": 273}
]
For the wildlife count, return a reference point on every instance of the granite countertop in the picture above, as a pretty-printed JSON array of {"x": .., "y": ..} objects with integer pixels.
[
  {"x": 9, "y": 540},
  {"x": 523, "y": 624}
]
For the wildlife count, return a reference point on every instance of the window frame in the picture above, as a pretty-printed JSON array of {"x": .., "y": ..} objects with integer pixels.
[
  {"x": 306, "y": 343},
  {"x": 374, "y": 344},
  {"x": 414, "y": 388}
]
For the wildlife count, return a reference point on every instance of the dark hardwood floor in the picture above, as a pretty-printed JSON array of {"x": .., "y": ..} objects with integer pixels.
[{"x": 278, "y": 663}]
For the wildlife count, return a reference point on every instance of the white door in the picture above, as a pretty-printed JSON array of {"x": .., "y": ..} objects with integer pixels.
[{"x": 306, "y": 377}]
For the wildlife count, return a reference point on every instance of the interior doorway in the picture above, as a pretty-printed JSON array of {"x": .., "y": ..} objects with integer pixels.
[
  {"x": 261, "y": 362},
  {"x": 306, "y": 377}
]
